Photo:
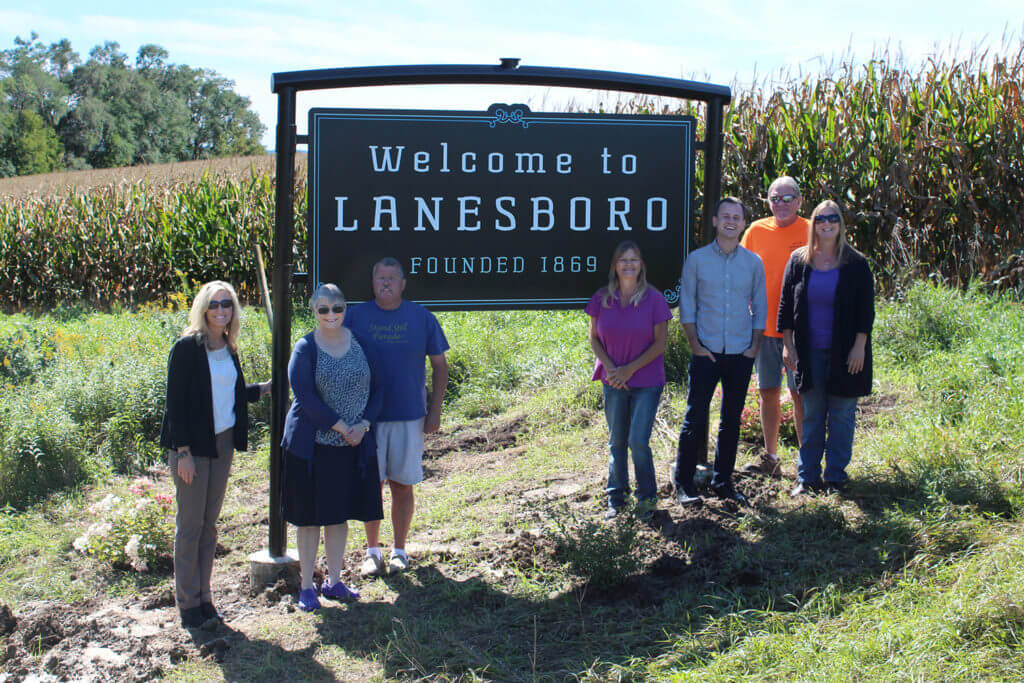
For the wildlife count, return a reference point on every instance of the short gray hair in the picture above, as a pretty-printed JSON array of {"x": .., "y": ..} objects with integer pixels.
[
  {"x": 388, "y": 262},
  {"x": 328, "y": 291},
  {"x": 785, "y": 180}
]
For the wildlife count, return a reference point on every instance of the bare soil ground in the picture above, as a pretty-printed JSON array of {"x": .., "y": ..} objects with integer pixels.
[{"x": 457, "y": 608}]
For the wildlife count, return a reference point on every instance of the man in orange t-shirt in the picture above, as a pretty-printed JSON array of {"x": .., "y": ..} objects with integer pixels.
[{"x": 773, "y": 239}]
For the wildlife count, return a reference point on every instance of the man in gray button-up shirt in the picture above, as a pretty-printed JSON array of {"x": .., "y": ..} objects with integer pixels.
[{"x": 723, "y": 312}]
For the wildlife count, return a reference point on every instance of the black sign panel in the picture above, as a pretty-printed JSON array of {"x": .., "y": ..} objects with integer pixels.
[{"x": 499, "y": 209}]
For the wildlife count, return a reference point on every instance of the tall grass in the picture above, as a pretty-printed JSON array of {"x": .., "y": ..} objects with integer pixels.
[{"x": 95, "y": 406}]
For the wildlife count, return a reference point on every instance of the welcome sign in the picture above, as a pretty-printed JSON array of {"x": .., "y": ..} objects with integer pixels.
[{"x": 499, "y": 209}]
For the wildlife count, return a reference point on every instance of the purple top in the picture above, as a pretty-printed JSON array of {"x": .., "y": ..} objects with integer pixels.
[
  {"x": 821, "y": 300},
  {"x": 627, "y": 332}
]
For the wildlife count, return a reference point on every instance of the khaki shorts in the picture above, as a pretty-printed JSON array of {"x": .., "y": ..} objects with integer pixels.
[{"x": 400, "y": 451}]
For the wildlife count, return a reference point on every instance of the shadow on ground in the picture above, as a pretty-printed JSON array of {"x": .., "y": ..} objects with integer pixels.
[{"x": 451, "y": 619}]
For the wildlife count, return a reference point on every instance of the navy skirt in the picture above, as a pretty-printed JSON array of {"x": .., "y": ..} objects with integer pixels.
[{"x": 333, "y": 490}]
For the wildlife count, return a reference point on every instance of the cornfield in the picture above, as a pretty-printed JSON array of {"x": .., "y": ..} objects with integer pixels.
[
  {"x": 136, "y": 242},
  {"x": 928, "y": 163}
]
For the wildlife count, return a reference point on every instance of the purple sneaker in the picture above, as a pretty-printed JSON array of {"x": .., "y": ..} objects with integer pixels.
[
  {"x": 338, "y": 591},
  {"x": 308, "y": 600}
]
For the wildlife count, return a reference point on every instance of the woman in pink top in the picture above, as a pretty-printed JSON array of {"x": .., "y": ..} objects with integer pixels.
[{"x": 628, "y": 326}]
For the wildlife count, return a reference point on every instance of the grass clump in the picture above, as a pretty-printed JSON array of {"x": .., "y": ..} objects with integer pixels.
[
  {"x": 926, "y": 320},
  {"x": 603, "y": 555}
]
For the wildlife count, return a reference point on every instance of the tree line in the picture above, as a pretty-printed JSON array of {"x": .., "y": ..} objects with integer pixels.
[{"x": 58, "y": 112}]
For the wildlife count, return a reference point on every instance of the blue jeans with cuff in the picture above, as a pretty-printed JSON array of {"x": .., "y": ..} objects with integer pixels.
[
  {"x": 827, "y": 427},
  {"x": 733, "y": 371},
  {"x": 630, "y": 413}
]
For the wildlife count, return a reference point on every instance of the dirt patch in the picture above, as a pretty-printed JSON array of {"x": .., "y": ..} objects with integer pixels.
[
  {"x": 878, "y": 403},
  {"x": 483, "y": 436}
]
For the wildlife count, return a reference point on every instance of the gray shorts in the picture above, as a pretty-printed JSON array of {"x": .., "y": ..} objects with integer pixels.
[
  {"x": 770, "y": 366},
  {"x": 400, "y": 451}
]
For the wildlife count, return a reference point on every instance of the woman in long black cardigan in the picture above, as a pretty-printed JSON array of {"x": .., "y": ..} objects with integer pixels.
[
  {"x": 206, "y": 420},
  {"x": 826, "y": 313}
]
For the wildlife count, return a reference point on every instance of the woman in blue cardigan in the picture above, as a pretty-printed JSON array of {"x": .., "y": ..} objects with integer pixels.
[
  {"x": 826, "y": 313},
  {"x": 330, "y": 470},
  {"x": 206, "y": 420}
]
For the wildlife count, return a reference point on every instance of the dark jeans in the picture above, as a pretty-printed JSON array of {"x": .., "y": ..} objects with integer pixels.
[{"x": 733, "y": 371}]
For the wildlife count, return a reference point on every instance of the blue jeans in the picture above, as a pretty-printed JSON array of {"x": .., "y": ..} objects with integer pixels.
[
  {"x": 733, "y": 371},
  {"x": 827, "y": 427},
  {"x": 630, "y": 414}
]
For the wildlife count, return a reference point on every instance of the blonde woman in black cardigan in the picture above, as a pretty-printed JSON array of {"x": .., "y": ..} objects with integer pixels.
[
  {"x": 206, "y": 419},
  {"x": 826, "y": 313}
]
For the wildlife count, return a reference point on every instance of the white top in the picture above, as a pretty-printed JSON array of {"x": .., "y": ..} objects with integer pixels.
[{"x": 222, "y": 383}]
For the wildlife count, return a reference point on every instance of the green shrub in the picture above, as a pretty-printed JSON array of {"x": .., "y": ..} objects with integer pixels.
[
  {"x": 41, "y": 450},
  {"x": 602, "y": 555},
  {"x": 24, "y": 352},
  {"x": 132, "y": 531}
]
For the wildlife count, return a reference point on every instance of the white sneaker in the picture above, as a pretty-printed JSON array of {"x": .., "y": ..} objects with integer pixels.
[
  {"x": 373, "y": 565},
  {"x": 398, "y": 563}
]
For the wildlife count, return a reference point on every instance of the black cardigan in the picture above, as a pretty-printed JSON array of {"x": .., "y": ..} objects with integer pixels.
[
  {"x": 854, "y": 312},
  {"x": 188, "y": 414}
]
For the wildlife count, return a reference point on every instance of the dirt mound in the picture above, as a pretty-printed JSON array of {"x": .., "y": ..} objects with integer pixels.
[
  {"x": 122, "y": 640},
  {"x": 477, "y": 437}
]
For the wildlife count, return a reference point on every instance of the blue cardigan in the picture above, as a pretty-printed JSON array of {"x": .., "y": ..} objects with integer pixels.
[{"x": 309, "y": 412}]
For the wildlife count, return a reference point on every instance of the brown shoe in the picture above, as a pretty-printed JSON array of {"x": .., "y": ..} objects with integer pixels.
[{"x": 765, "y": 464}]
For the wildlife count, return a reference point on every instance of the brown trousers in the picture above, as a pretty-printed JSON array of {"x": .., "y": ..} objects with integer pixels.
[{"x": 195, "y": 536}]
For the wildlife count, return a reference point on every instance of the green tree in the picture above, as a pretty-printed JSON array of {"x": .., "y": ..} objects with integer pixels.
[
  {"x": 109, "y": 112},
  {"x": 28, "y": 145}
]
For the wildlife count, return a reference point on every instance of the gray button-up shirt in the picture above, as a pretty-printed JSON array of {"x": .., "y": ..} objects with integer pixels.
[{"x": 724, "y": 295}]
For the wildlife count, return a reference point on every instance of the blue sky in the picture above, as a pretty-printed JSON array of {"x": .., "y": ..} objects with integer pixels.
[{"x": 728, "y": 41}]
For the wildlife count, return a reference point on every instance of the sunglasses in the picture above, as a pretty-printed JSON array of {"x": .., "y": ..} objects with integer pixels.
[
  {"x": 782, "y": 199},
  {"x": 830, "y": 218},
  {"x": 324, "y": 310},
  {"x": 226, "y": 304}
]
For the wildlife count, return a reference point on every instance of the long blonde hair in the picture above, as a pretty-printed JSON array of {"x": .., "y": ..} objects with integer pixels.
[
  {"x": 843, "y": 249},
  {"x": 613, "y": 277},
  {"x": 197, "y": 315}
]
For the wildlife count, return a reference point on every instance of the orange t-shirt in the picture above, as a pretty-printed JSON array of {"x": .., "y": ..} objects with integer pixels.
[{"x": 774, "y": 245}]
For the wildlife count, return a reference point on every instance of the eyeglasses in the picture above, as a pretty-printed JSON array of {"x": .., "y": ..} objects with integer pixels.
[
  {"x": 226, "y": 304},
  {"x": 324, "y": 310},
  {"x": 827, "y": 218},
  {"x": 781, "y": 199}
]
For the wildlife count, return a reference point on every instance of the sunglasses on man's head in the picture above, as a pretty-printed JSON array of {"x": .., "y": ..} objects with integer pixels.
[
  {"x": 830, "y": 218},
  {"x": 223, "y": 303},
  {"x": 324, "y": 310},
  {"x": 781, "y": 198}
]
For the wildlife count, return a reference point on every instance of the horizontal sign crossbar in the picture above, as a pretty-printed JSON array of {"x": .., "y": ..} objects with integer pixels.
[{"x": 429, "y": 74}]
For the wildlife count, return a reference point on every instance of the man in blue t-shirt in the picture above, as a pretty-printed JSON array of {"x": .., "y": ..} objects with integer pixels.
[{"x": 402, "y": 333}]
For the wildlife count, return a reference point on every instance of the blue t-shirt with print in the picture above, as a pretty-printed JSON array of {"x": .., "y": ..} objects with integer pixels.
[{"x": 402, "y": 338}]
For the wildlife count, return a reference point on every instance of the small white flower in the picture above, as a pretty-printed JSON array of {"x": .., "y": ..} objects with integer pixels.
[{"x": 82, "y": 542}]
